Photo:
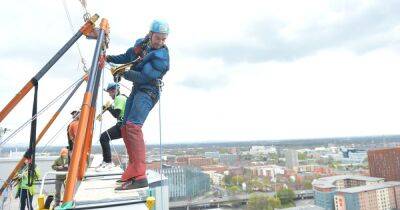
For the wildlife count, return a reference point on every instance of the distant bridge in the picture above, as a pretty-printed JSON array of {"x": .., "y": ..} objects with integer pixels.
[{"x": 243, "y": 198}]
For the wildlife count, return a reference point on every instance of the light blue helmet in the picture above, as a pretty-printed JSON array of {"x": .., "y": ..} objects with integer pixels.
[
  {"x": 159, "y": 26},
  {"x": 112, "y": 86}
]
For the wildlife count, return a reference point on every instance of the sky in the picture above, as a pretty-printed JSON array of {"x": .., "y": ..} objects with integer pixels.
[{"x": 240, "y": 70}]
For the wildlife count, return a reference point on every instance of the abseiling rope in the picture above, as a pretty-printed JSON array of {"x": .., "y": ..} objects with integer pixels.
[
  {"x": 52, "y": 139},
  {"x": 40, "y": 112},
  {"x": 73, "y": 32},
  {"x": 160, "y": 133}
]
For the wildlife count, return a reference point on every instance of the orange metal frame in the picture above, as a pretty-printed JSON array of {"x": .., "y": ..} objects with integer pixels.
[
  {"x": 21, "y": 162},
  {"x": 83, "y": 141}
]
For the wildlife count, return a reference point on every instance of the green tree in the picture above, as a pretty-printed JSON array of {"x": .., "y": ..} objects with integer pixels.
[
  {"x": 274, "y": 202},
  {"x": 266, "y": 182},
  {"x": 286, "y": 196},
  {"x": 302, "y": 156},
  {"x": 253, "y": 184},
  {"x": 234, "y": 189},
  {"x": 308, "y": 185},
  {"x": 227, "y": 180},
  {"x": 237, "y": 180},
  {"x": 223, "y": 150},
  {"x": 258, "y": 201}
]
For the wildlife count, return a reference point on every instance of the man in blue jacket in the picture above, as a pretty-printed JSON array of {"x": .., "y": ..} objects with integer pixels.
[{"x": 153, "y": 63}]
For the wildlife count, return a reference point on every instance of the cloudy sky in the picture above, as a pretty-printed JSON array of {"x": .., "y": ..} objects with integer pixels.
[{"x": 243, "y": 70}]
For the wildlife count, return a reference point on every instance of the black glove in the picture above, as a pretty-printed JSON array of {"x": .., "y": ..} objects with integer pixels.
[
  {"x": 117, "y": 78},
  {"x": 108, "y": 58}
]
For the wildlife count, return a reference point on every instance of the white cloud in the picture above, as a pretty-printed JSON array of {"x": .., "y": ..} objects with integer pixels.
[{"x": 336, "y": 82}]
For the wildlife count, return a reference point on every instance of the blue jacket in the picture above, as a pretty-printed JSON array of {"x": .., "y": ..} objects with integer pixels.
[{"x": 154, "y": 65}]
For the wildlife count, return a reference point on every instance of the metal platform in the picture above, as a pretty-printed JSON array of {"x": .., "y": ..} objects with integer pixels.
[{"x": 97, "y": 190}]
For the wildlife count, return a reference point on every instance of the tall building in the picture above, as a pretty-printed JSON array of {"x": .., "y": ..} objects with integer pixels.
[
  {"x": 228, "y": 159},
  {"x": 262, "y": 150},
  {"x": 385, "y": 163},
  {"x": 384, "y": 195},
  {"x": 211, "y": 154},
  {"x": 326, "y": 188},
  {"x": 193, "y": 161},
  {"x": 292, "y": 158},
  {"x": 186, "y": 182}
]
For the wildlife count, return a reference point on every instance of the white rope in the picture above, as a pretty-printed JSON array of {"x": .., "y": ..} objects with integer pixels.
[
  {"x": 84, "y": 5},
  {"x": 73, "y": 32},
  {"x": 127, "y": 88},
  {"x": 160, "y": 135},
  {"x": 53, "y": 138},
  {"x": 39, "y": 113},
  {"x": 109, "y": 138}
]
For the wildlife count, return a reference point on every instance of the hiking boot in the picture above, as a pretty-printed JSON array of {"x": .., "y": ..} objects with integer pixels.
[
  {"x": 132, "y": 185},
  {"x": 119, "y": 182}
]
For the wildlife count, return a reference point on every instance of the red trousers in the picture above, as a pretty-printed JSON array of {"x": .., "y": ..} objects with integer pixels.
[{"x": 136, "y": 149}]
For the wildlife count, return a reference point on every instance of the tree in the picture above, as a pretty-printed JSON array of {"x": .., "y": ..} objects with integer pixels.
[
  {"x": 286, "y": 196},
  {"x": 259, "y": 201},
  {"x": 274, "y": 202},
  {"x": 233, "y": 189},
  {"x": 227, "y": 180},
  {"x": 237, "y": 180},
  {"x": 266, "y": 182},
  {"x": 302, "y": 156},
  {"x": 254, "y": 184},
  {"x": 308, "y": 185}
]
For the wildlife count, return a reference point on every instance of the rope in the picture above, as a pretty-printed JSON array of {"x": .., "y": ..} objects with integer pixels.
[
  {"x": 73, "y": 32},
  {"x": 86, "y": 16},
  {"x": 119, "y": 159},
  {"x": 101, "y": 123},
  {"x": 160, "y": 135},
  {"x": 39, "y": 113},
  {"x": 124, "y": 86},
  {"x": 51, "y": 140},
  {"x": 127, "y": 88}
]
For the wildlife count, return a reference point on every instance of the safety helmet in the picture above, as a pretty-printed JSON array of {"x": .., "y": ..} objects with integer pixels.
[
  {"x": 64, "y": 151},
  {"x": 112, "y": 86},
  {"x": 159, "y": 26}
]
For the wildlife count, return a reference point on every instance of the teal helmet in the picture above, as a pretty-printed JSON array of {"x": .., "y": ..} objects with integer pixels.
[
  {"x": 159, "y": 26},
  {"x": 112, "y": 86}
]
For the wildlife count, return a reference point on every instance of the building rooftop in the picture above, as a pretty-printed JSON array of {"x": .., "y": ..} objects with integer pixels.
[
  {"x": 370, "y": 187},
  {"x": 384, "y": 148},
  {"x": 329, "y": 182}
]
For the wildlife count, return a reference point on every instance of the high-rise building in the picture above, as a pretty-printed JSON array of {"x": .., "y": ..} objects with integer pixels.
[
  {"x": 292, "y": 158},
  {"x": 186, "y": 182},
  {"x": 326, "y": 188},
  {"x": 376, "y": 196},
  {"x": 228, "y": 159},
  {"x": 385, "y": 163},
  {"x": 211, "y": 154}
]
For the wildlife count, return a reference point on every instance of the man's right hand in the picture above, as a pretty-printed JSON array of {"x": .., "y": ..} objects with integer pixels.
[
  {"x": 117, "y": 71},
  {"x": 108, "y": 59}
]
